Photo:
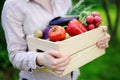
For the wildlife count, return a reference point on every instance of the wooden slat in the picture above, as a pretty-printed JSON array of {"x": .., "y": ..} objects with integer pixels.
[
  {"x": 83, "y": 57},
  {"x": 79, "y": 42},
  {"x": 68, "y": 46},
  {"x": 36, "y": 43},
  {"x": 80, "y": 59}
]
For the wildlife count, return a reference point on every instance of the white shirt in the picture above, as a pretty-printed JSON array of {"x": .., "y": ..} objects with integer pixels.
[{"x": 21, "y": 18}]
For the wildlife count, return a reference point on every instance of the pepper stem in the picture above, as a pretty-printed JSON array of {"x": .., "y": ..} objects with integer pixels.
[{"x": 65, "y": 27}]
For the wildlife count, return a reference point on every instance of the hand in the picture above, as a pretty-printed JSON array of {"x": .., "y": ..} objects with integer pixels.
[
  {"x": 104, "y": 40},
  {"x": 53, "y": 60}
]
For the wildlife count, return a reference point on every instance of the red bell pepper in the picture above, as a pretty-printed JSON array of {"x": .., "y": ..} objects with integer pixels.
[{"x": 75, "y": 27}]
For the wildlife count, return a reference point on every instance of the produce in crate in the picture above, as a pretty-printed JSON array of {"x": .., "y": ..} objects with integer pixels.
[
  {"x": 93, "y": 20},
  {"x": 89, "y": 19},
  {"x": 73, "y": 28},
  {"x": 90, "y": 26},
  {"x": 38, "y": 34},
  {"x": 73, "y": 25},
  {"x": 97, "y": 21},
  {"x": 95, "y": 14},
  {"x": 62, "y": 21},
  {"x": 45, "y": 32},
  {"x": 57, "y": 33}
]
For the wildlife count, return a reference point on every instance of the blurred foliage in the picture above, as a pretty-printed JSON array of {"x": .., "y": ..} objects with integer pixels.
[
  {"x": 104, "y": 68},
  {"x": 106, "y": 4},
  {"x": 7, "y": 72},
  {"x": 2, "y": 38},
  {"x": 79, "y": 8},
  {"x": 3, "y": 50}
]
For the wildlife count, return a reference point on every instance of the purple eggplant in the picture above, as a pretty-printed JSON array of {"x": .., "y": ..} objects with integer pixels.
[
  {"x": 45, "y": 32},
  {"x": 62, "y": 21}
]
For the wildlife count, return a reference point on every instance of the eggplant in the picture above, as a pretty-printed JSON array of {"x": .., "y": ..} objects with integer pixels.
[
  {"x": 45, "y": 32},
  {"x": 62, "y": 21}
]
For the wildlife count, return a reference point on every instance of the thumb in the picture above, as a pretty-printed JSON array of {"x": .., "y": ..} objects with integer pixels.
[
  {"x": 104, "y": 28},
  {"x": 55, "y": 54}
]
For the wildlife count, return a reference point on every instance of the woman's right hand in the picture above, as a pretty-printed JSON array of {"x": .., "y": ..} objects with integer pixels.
[{"x": 54, "y": 60}]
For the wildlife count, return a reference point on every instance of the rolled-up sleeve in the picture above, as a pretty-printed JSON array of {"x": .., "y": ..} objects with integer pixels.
[{"x": 12, "y": 22}]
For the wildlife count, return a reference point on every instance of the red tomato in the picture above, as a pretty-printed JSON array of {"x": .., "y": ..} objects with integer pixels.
[{"x": 57, "y": 33}]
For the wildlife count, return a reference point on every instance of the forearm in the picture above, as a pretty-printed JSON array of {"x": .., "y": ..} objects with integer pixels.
[{"x": 23, "y": 60}]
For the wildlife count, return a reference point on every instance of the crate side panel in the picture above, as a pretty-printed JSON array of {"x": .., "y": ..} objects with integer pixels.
[
  {"x": 83, "y": 57},
  {"x": 79, "y": 42},
  {"x": 34, "y": 43}
]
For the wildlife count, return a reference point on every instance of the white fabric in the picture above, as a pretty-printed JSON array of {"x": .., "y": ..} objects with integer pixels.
[{"x": 21, "y": 18}]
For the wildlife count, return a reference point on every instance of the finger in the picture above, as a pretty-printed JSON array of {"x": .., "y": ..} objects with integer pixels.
[
  {"x": 54, "y": 53},
  {"x": 103, "y": 46},
  {"x": 102, "y": 42},
  {"x": 62, "y": 66},
  {"x": 65, "y": 63},
  {"x": 104, "y": 39},
  {"x": 61, "y": 69},
  {"x": 62, "y": 60},
  {"x": 106, "y": 36},
  {"x": 104, "y": 28},
  {"x": 58, "y": 72}
]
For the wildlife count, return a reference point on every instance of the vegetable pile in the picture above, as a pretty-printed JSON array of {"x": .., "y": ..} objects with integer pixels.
[{"x": 61, "y": 28}]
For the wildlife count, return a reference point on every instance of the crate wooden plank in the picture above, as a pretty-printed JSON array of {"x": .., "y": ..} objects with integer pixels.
[
  {"x": 36, "y": 43},
  {"x": 83, "y": 57},
  {"x": 81, "y": 41},
  {"x": 68, "y": 46},
  {"x": 80, "y": 59}
]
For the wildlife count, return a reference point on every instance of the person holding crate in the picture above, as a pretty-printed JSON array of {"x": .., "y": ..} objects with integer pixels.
[{"x": 21, "y": 18}]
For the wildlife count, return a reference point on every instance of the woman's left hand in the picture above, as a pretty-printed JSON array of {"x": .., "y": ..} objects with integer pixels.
[{"x": 104, "y": 40}]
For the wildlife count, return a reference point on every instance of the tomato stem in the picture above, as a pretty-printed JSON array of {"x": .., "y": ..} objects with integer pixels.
[{"x": 54, "y": 29}]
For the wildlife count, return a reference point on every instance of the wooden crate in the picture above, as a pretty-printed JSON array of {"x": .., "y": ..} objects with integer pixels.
[{"x": 81, "y": 47}]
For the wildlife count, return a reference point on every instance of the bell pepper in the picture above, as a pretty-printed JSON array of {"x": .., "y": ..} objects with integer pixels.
[
  {"x": 57, "y": 33},
  {"x": 75, "y": 27}
]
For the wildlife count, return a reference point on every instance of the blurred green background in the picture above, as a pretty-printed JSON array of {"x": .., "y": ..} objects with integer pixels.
[{"x": 106, "y": 67}]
